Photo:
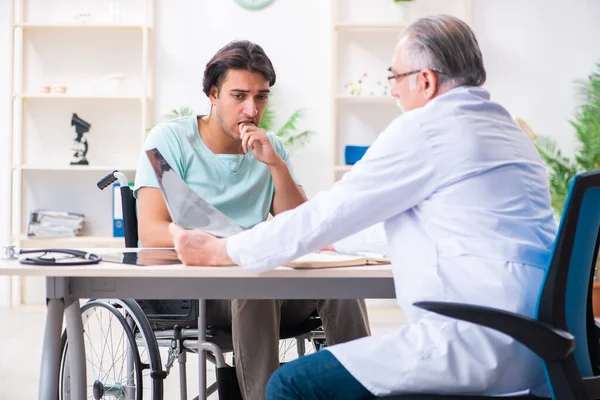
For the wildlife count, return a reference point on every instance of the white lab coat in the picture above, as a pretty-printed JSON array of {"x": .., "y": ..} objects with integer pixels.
[{"x": 465, "y": 201}]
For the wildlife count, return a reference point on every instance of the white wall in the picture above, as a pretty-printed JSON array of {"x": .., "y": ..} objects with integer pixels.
[{"x": 533, "y": 51}]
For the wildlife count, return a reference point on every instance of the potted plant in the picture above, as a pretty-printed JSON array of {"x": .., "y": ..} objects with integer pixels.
[
  {"x": 561, "y": 169},
  {"x": 288, "y": 132}
]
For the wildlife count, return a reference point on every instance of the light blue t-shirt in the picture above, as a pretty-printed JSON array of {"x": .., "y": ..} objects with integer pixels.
[{"x": 239, "y": 185}]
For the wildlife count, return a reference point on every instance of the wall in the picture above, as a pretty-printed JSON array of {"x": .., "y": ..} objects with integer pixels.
[{"x": 534, "y": 50}]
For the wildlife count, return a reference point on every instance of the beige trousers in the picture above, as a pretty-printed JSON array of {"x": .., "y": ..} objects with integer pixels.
[{"x": 256, "y": 325}]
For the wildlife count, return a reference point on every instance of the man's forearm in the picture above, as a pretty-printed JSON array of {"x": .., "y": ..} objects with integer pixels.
[
  {"x": 155, "y": 234},
  {"x": 287, "y": 193}
]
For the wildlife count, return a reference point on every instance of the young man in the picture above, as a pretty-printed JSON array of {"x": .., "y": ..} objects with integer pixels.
[
  {"x": 246, "y": 173},
  {"x": 466, "y": 204}
]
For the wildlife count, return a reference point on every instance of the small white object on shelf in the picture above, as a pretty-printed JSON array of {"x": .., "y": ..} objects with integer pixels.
[
  {"x": 110, "y": 85},
  {"x": 58, "y": 89}
]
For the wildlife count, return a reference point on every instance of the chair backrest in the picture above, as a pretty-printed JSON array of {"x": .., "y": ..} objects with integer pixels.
[
  {"x": 130, "y": 223},
  {"x": 128, "y": 205},
  {"x": 565, "y": 300}
]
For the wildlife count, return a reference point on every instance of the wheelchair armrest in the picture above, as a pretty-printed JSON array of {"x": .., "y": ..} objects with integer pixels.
[{"x": 547, "y": 342}]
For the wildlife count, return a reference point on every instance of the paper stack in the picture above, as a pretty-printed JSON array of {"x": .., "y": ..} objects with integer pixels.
[{"x": 50, "y": 223}]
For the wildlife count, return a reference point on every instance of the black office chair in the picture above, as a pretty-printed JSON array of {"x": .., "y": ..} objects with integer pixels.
[
  {"x": 161, "y": 323},
  {"x": 564, "y": 334}
]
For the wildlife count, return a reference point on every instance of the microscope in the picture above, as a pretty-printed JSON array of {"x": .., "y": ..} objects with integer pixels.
[{"x": 80, "y": 144}]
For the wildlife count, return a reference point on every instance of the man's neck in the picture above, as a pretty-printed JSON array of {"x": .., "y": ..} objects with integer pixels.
[{"x": 215, "y": 138}]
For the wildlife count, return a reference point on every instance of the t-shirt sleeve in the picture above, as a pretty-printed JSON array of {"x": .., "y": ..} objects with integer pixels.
[
  {"x": 283, "y": 153},
  {"x": 163, "y": 138}
]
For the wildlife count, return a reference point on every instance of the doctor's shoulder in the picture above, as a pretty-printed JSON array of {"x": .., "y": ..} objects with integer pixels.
[{"x": 406, "y": 124}]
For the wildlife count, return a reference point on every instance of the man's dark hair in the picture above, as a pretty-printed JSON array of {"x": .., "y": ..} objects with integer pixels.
[{"x": 239, "y": 54}]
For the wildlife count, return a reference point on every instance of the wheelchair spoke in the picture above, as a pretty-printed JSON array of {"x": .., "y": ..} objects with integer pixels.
[{"x": 107, "y": 349}]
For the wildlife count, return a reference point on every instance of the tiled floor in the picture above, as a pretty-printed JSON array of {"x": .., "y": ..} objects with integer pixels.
[{"x": 21, "y": 343}]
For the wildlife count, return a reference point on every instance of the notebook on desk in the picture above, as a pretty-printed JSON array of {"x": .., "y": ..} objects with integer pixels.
[
  {"x": 186, "y": 207},
  {"x": 332, "y": 259}
]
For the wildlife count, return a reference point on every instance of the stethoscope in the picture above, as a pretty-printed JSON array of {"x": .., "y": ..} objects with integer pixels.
[{"x": 47, "y": 258}]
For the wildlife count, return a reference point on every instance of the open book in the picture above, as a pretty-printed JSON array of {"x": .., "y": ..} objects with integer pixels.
[{"x": 333, "y": 259}]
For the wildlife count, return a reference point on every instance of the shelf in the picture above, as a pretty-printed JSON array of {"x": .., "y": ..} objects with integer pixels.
[
  {"x": 342, "y": 168},
  {"x": 78, "y": 168},
  {"x": 72, "y": 242},
  {"x": 74, "y": 96},
  {"x": 370, "y": 27},
  {"x": 366, "y": 98},
  {"x": 27, "y": 26}
]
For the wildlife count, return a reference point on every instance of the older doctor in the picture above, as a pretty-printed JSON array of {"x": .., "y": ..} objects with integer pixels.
[{"x": 465, "y": 201}]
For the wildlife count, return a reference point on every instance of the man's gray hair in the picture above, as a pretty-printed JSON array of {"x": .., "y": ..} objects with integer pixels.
[{"x": 447, "y": 45}]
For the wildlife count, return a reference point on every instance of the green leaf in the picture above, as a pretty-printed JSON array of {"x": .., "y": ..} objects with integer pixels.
[
  {"x": 180, "y": 112},
  {"x": 586, "y": 124},
  {"x": 288, "y": 132},
  {"x": 560, "y": 170},
  {"x": 268, "y": 119},
  {"x": 289, "y": 127},
  {"x": 298, "y": 140}
]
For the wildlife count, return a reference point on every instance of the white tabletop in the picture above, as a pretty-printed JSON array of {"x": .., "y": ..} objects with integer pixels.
[{"x": 106, "y": 269}]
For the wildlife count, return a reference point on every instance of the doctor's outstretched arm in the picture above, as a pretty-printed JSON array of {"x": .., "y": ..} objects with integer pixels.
[{"x": 397, "y": 173}]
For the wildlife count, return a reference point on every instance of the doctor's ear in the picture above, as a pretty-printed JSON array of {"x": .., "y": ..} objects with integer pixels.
[{"x": 429, "y": 82}]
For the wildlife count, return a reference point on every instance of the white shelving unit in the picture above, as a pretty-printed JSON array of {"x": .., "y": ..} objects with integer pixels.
[
  {"x": 101, "y": 52},
  {"x": 364, "y": 35}
]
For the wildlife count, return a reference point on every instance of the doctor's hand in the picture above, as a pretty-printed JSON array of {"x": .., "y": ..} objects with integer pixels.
[
  {"x": 197, "y": 248},
  {"x": 256, "y": 140}
]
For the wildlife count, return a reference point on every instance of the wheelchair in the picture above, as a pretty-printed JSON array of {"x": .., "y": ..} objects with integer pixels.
[{"x": 123, "y": 337}]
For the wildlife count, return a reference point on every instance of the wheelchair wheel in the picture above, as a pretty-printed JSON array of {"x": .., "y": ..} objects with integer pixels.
[{"x": 122, "y": 357}]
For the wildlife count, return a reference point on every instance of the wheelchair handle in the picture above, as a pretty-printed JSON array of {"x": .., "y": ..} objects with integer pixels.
[{"x": 112, "y": 177}]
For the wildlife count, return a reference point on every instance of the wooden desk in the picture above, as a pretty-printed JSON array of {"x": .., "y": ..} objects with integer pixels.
[{"x": 66, "y": 285}]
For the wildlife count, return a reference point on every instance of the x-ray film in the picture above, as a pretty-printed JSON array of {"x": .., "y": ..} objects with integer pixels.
[{"x": 186, "y": 207}]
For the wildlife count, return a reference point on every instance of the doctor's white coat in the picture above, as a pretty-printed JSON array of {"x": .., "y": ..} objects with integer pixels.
[{"x": 465, "y": 203}]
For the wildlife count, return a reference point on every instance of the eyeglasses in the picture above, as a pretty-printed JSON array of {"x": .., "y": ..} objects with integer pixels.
[{"x": 397, "y": 77}]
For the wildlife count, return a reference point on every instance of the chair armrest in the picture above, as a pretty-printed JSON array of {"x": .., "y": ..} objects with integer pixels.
[{"x": 547, "y": 342}]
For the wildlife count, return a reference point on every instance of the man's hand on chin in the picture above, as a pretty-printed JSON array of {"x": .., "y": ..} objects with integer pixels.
[{"x": 197, "y": 248}]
